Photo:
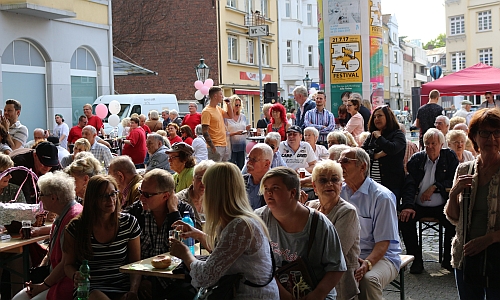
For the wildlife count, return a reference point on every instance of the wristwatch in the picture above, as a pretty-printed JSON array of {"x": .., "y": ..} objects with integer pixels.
[{"x": 369, "y": 263}]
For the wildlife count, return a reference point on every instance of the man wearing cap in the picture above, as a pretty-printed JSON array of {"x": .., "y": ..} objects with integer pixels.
[
  {"x": 93, "y": 120},
  {"x": 61, "y": 131},
  {"x": 296, "y": 153},
  {"x": 490, "y": 101},
  {"x": 464, "y": 111},
  {"x": 182, "y": 161},
  {"x": 41, "y": 160},
  {"x": 101, "y": 152},
  {"x": 17, "y": 131}
]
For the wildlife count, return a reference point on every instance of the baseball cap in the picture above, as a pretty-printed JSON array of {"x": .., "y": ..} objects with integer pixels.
[
  {"x": 54, "y": 140},
  {"x": 466, "y": 102},
  {"x": 295, "y": 128},
  {"x": 181, "y": 147},
  {"x": 47, "y": 154}
]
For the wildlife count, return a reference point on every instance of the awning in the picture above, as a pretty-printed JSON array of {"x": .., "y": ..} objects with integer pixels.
[{"x": 122, "y": 67}]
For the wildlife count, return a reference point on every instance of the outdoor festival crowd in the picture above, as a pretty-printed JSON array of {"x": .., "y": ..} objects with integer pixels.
[{"x": 328, "y": 195}]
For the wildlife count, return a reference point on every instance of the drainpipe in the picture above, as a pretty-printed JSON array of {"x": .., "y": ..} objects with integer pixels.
[{"x": 110, "y": 50}]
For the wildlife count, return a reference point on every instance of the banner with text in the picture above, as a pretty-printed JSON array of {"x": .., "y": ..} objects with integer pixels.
[
  {"x": 344, "y": 17},
  {"x": 346, "y": 64}
]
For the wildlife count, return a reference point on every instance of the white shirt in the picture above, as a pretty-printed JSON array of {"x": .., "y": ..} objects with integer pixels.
[
  {"x": 299, "y": 159},
  {"x": 61, "y": 130},
  {"x": 427, "y": 181}
]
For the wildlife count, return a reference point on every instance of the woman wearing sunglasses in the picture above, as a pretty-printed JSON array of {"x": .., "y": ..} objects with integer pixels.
[
  {"x": 481, "y": 178},
  {"x": 386, "y": 147},
  {"x": 327, "y": 183},
  {"x": 106, "y": 238},
  {"x": 237, "y": 127}
]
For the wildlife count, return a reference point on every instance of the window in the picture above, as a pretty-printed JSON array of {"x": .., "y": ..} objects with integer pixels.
[
  {"x": 310, "y": 56},
  {"x": 395, "y": 57},
  {"x": 265, "y": 54},
  {"x": 298, "y": 10},
  {"x": 288, "y": 9},
  {"x": 396, "y": 79},
  {"x": 457, "y": 61},
  {"x": 231, "y": 3},
  {"x": 484, "y": 20},
  {"x": 289, "y": 51},
  {"x": 442, "y": 61},
  {"x": 249, "y": 6},
  {"x": 386, "y": 59},
  {"x": 299, "y": 46},
  {"x": 486, "y": 56},
  {"x": 232, "y": 48},
  {"x": 250, "y": 51},
  {"x": 309, "y": 14},
  {"x": 263, "y": 7},
  {"x": 433, "y": 59},
  {"x": 457, "y": 25}
]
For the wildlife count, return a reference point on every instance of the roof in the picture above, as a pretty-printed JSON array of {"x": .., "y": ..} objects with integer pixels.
[
  {"x": 436, "y": 51},
  {"x": 122, "y": 67}
]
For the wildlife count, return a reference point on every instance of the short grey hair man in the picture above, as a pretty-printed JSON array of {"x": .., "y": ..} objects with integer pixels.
[{"x": 301, "y": 90}]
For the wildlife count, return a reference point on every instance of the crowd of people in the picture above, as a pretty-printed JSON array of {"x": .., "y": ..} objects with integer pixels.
[{"x": 336, "y": 192}]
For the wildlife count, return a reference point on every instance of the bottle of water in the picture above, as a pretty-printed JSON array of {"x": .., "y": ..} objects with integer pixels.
[
  {"x": 189, "y": 241},
  {"x": 83, "y": 289}
]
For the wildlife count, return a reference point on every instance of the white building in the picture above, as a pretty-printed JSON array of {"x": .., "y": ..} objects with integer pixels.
[
  {"x": 395, "y": 62},
  {"x": 298, "y": 43}
]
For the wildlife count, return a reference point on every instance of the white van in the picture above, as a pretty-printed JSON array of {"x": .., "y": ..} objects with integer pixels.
[{"x": 137, "y": 103}]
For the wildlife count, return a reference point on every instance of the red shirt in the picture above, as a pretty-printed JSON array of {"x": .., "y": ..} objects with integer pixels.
[
  {"x": 74, "y": 134},
  {"x": 175, "y": 139},
  {"x": 189, "y": 141},
  {"x": 137, "y": 148},
  {"x": 192, "y": 120},
  {"x": 146, "y": 128},
  {"x": 96, "y": 122}
]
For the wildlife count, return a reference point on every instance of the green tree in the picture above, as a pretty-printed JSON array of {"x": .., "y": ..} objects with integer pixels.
[{"x": 440, "y": 41}]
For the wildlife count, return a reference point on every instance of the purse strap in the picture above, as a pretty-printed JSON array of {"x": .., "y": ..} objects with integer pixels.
[
  {"x": 312, "y": 231},
  {"x": 249, "y": 283}
]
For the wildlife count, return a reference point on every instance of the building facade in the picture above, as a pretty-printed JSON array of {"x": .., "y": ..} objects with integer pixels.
[
  {"x": 298, "y": 43},
  {"x": 395, "y": 53},
  {"x": 61, "y": 50}
]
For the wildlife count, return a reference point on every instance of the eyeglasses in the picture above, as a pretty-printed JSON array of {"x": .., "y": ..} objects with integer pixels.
[
  {"x": 437, "y": 123},
  {"x": 170, "y": 157},
  {"x": 324, "y": 180},
  {"x": 271, "y": 145},
  {"x": 253, "y": 160},
  {"x": 345, "y": 160},
  {"x": 149, "y": 195},
  {"x": 111, "y": 195},
  {"x": 486, "y": 134},
  {"x": 457, "y": 142}
]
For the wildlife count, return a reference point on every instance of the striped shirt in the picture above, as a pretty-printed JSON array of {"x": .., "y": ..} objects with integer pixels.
[
  {"x": 18, "y": 132},
  {"x": 318, "y": 120},
  {"x": 109, "y": 257}
]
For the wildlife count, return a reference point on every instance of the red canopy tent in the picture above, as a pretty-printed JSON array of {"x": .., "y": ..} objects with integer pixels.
[{"x": 475, "y": 80}]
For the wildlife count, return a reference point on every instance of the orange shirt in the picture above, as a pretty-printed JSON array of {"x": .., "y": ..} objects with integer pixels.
[{"x": 213, "y": 117}]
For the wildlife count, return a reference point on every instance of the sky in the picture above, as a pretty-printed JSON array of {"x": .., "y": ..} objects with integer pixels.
[{"x": 423, "y": 19}]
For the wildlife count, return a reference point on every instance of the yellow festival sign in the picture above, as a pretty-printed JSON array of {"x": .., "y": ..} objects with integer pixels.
[{"x": 346, "y": 66}]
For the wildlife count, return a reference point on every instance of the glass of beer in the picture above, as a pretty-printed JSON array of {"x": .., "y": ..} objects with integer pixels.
[{"x": 26, "y": 229}]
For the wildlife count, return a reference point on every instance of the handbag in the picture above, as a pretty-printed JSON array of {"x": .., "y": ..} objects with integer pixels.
[
  {"x": 482, "y": 269},
  {"x": 297, "y": 277}
]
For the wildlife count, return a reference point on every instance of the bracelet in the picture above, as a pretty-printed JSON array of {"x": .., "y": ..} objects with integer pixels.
[
  {"x": 45, "y": 283},
  {"x": 369, "y": 263}
]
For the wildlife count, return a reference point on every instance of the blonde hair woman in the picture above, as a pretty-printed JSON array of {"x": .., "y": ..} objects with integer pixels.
[
  {"x": 84, "y": 167},
  {"x": 228, "y": 214},
  {"x": 237, "y": 127},
  {"x": 80, "y": 145},
  {"x": 457, "y": 139}
]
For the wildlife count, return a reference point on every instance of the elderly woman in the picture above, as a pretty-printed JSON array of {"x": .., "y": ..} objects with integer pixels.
[
  {"x": 481, "y": 178},
  {"x": 172, "y": 130},
  {"x": 327, "y": 183},
  {"x": 106, "y": 238},
  {"x": 8, "y": 190},
  {"x": 335, "y": 138},
  {"x": 193, "y": 195},
  {"x": 237, "y": 126},
  {"x": 84, "y": 167},
  {"x": 228, "y": 214},
  {"x": 311, "y": 136},
  {"x": 278, "y": 120},
  {"x": 80, "y": 145},
  {"x": 335, "y": 150},
  {"x": 57, "y": 193},
  {"x": 154, "y": 123},
  {"x": 356, "y": 123},
  {"x": 181, "y": 160},
  {"x": 135, "y": 143},
  {"x": 199, "y": 145},
  {"x": 386, "y": 147},
  {"x": 187, "y": 134},
  {"x": 456, "y": 141},
  {"x": 289, "y": 224}
]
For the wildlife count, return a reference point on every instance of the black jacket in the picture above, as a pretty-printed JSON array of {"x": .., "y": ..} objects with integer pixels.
[
  {"x": 391, "y": 166},
  {"x": 445, "y": 172},
  {"x": 299, "y": 117},
  {"x": 262, "y": 123}
]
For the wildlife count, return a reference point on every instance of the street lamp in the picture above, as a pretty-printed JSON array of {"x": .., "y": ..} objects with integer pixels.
[
  {"x": 399, "y": 95},
  {"x": 307, "y": 82},
  {"x": 202, "y": 71}
]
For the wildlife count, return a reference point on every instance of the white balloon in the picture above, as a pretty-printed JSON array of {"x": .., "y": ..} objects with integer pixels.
[
  {"x": 114, "y": 120},
  {"x": 114, "y": 107},
  {"x": 198, "y": 95}
]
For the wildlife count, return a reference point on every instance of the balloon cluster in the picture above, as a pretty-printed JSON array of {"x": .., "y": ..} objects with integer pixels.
[
  {"x": 202, "y": 88},
  {"x": 312, "y": 91},
  {"x": 101, "y": 111}
]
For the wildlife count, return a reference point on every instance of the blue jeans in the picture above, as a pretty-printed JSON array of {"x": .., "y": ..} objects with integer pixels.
[
  {"x": 468, "y": 292},
  {"x": 238, "y": 158}
]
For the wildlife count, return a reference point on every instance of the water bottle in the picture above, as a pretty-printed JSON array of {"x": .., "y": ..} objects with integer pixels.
[
  {"x": 82, "y": 291},
  {"x": 189, "y": 241}
]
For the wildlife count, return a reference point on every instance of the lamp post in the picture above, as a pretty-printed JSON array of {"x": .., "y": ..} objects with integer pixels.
[
  {"x": 399, "y": 95},
  {"x": 307, "y": 81},
  {"x": 202, "y": 71}
]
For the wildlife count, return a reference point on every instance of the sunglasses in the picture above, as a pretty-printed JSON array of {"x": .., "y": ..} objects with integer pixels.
[
  {"x": 324, "y": 180},
  {"x": 237, "y": 105},
  {"x": 345, "y": 160},
  {"x": 149, "y": 195}
]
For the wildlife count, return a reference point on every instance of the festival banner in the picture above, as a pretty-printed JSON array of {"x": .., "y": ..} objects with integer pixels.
[
  {"x": 344, "y": 17},
  {"x": 337, "y": 90},
  {"x": 346, "y": 64},
  {"x": 375, "y": 18}
]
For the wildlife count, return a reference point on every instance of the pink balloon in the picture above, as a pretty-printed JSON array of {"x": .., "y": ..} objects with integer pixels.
[
  {"x": 101, "y": 110},
  {"x": 204, "y": 90},
  {"x": 198, "y": 84},
  {"x": 209, "y": 83}
]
